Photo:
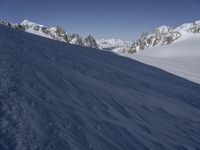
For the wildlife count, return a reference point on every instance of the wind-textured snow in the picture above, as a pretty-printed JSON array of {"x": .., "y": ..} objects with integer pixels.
[
  {"x": 181, "y": 58},
  {"x": 55, "y": 96}
]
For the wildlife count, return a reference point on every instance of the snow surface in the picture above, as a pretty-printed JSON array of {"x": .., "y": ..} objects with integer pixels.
[
  {"x": 56, "y": 96},
  {"x": 181, "y": 58}
]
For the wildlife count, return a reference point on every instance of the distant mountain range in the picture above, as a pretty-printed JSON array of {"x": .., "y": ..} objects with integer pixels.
[
  {"x": 117, "y": 45},
  {"x": 162, "y": 35},
  {"x": 56, "y": 33}
]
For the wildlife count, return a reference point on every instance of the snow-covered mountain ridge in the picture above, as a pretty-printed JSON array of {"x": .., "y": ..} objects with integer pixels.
[
  {"x": 56, "y": 33},
  {"x": 165, "y": 35},
  {"x": 162, "y": 35}
]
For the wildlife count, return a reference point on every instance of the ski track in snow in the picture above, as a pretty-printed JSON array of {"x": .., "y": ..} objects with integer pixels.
[{"x": 57, "y": 96}]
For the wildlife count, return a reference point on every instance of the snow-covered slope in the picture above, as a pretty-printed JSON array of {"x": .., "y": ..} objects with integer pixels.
[
  {"x": 164, "y": 35},
  {"x": 181, "y": 58},
  {"x": 57, "y": 96},
  {"x": 115, "y": 44}
]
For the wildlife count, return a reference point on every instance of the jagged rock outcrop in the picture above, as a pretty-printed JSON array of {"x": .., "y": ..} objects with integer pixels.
[
  {"x": 162, "y": 36},
  {"x": 6, "y": 23},
  {"x": 91, "y": 42},
  {"x": 76, "y": 39},
  {"x": 60, "y": 32}
]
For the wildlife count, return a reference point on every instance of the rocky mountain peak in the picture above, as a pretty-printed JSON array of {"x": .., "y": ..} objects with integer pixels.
[
  {"x": 164, "y": 35},
  {"x": 91, "y": 42}
]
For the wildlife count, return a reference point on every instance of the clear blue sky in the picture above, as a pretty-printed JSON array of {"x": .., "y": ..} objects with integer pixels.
[{"x": 125, "y": 19}]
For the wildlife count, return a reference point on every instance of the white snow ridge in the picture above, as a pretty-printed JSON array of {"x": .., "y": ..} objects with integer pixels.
[{"x": 59, "y": 96}]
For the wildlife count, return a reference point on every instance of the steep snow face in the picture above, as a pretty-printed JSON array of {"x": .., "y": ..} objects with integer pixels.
[
  {"x": 114, "y": 44},
  {"x": 165, "y": 35},
  {"x": 56, "y": 96},
  {"x": 181, "y": 58}
]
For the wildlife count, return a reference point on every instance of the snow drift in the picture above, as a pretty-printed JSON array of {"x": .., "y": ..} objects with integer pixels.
[{"x": 57, "y": 96}]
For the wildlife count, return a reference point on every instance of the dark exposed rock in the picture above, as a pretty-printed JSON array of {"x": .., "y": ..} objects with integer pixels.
[
  {"x": 162, "y": 35},
  {"x": 91, "y": 42}
]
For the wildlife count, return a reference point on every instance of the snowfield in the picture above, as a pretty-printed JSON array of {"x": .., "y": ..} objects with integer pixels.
[
  {"x": 181, "y": 58},
  {"x": 57, "y": 96}
]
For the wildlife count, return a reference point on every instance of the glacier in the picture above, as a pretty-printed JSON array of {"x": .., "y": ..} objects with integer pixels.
[{"x": 58, "y": 96}]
